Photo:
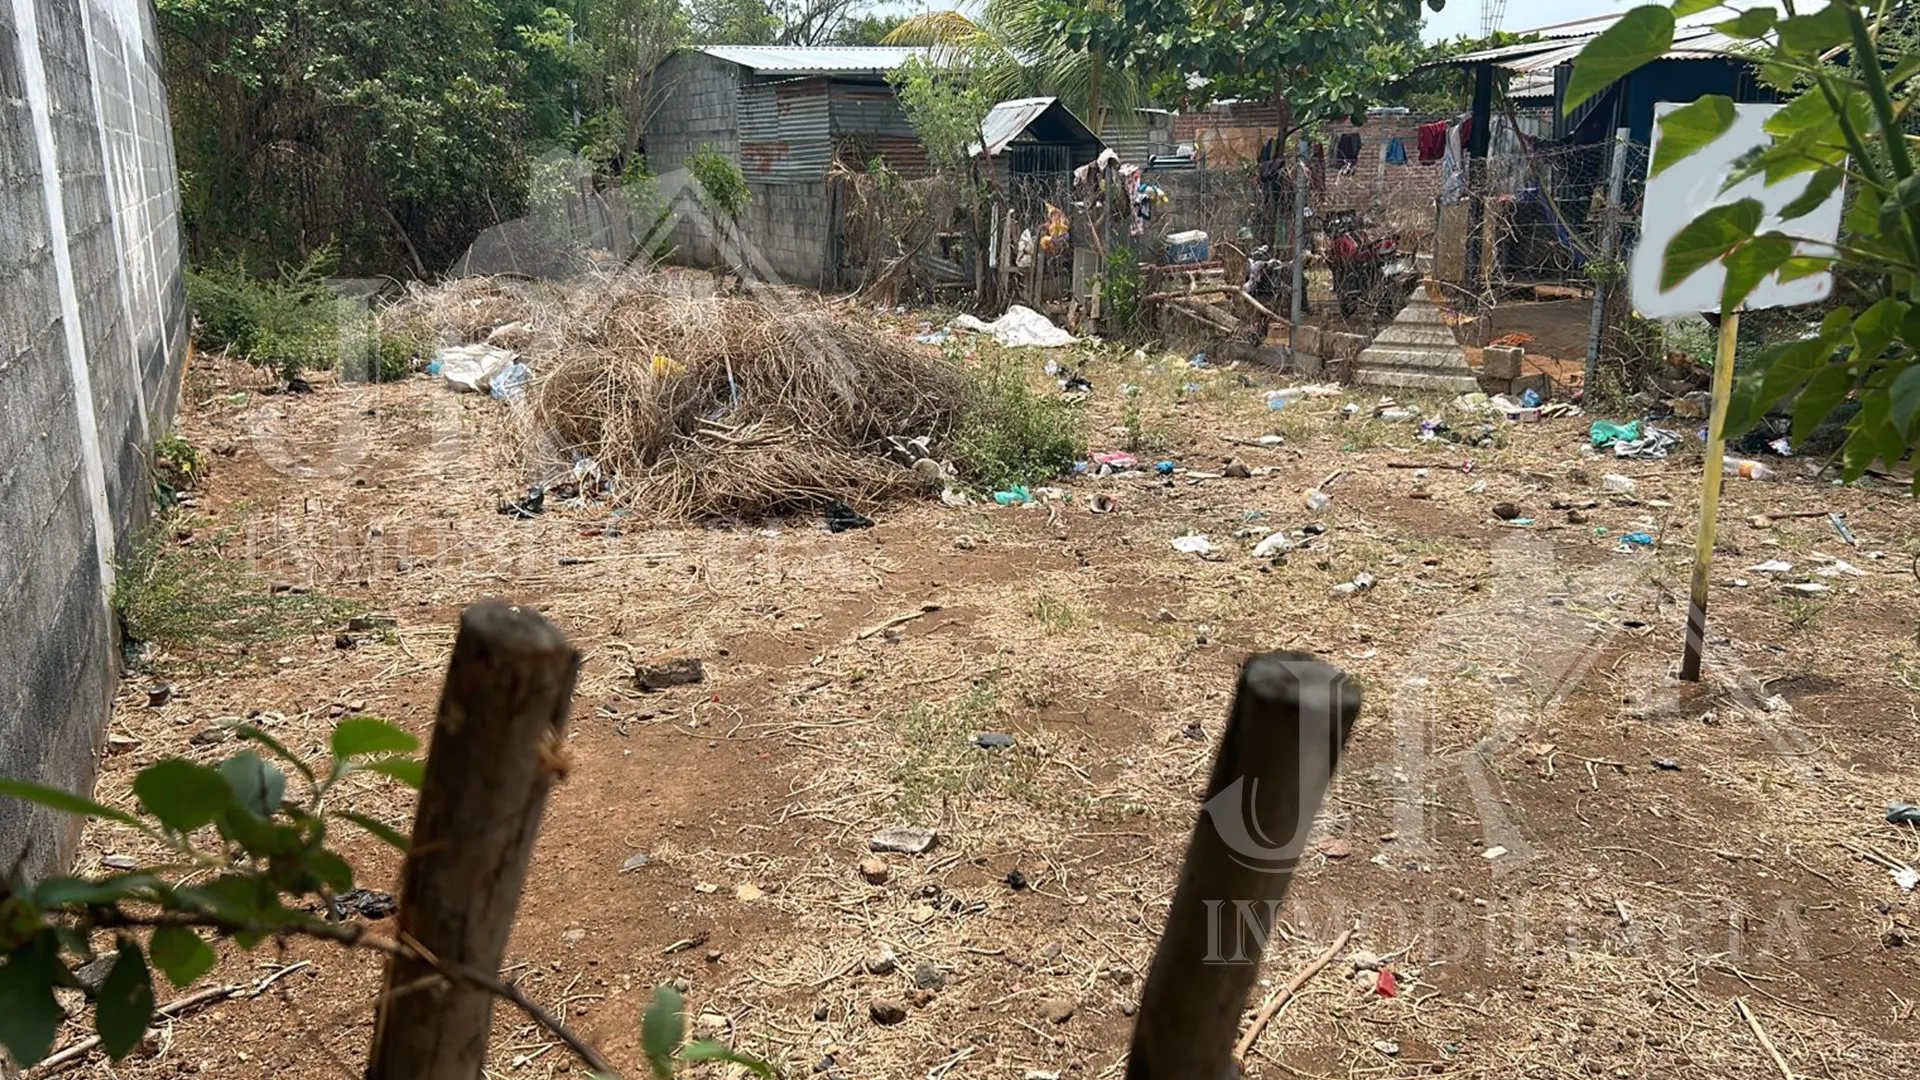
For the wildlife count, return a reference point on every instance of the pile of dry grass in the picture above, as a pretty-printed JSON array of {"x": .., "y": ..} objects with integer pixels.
[
  {"x": 470, "y": 309},
  {"x": 704, "y": 406}
]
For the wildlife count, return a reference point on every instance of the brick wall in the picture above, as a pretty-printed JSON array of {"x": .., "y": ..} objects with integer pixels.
[{"x": 92, "y": 335}]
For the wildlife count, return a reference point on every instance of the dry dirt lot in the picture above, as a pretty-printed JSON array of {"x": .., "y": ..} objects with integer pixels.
[{"x": 1551, "y": 902}]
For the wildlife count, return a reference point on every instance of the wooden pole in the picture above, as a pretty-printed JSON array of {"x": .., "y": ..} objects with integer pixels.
[
  {"x": 497, "y": 745},
  {"x": 1605, "y": 286},
  {"x": 1291, "y": 716},
  {"x": 1710, "y": 497}
]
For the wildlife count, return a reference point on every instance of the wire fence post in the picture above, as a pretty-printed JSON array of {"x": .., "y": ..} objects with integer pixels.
[
  {"x": 1606, "y": 281},
  {"x": 1299, "y": 291}
]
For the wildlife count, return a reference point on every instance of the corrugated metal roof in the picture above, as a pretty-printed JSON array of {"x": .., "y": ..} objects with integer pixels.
[
  {"x": 816, "y": 59},
  {"x": 1689, "y": 43},
  {"x": 1009, "y": 120}
]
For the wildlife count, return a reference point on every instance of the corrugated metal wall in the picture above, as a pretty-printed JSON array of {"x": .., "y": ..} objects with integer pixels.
[
  {"x": 785, "y": 130},
  {"x": 868, "y": 123}
]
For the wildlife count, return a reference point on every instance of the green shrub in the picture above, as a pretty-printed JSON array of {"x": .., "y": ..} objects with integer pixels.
[
  {"x": 367, "y": 355},
  {"x": 723, "y": 187},
  {"x": 284, "y": 324},
  {"x": 1012, "y": 434}
]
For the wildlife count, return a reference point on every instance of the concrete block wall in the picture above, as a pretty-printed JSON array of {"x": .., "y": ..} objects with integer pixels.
[
  {"x": 92, "y": 337},
  {"x": 788, "y": 226}
]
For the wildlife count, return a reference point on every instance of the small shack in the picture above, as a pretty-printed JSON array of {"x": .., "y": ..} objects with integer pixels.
[
  {"x": 784, "y": 114},
  {"x": 1035, "y": 138}
]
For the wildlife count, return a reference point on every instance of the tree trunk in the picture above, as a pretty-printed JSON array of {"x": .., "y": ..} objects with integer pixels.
[{"x": 498, "y": 742}]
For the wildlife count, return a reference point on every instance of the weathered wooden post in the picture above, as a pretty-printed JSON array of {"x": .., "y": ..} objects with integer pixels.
[
  {"x": 497, "y": 738},
  {"x": 1291, "y": 716}
]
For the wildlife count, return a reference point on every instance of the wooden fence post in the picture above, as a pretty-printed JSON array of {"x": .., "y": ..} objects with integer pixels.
[
  {"x": 502, "y": 720},
  {"x": 1291, "y": 716}
]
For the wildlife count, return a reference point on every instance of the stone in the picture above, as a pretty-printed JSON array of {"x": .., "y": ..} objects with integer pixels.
[
  {"x": 573, "y": 937},
  {"x": 920, "y": 999},
  {"x": 748, "y": 891},
  {"x": 928, "y": 977},
  {"x": 1057, "y": 1010},
  {"x": 1365, "y": 981},
  {"x": 821, "y": 1011},
  {"x": 120, "y": 744},
  {"x": 1362, "y": 960},
  {"x": 1237, "y": 469},
  {"x": 209, "y": 737},
  {"x": 1336, "y": 847},
  {"x": 903, "y": 839},
  {"x": 886, "y": 1011},
  {"x": 677, "y": 669},
  {"x": 1306, "y": 339},
  {"x": 993, "y": 740},
  {"x": 1051, "y": 950},
  {"x": 875, "y": 870},
  {"x": 1501, "y": 361},
  {"x": 711, "y": 1024},
  {"x": 1337, "y": 346},
  {"x": 634, "y": 862},
  {"x": 881, "y": 962},
  {"x": 1507, "y": 511}
]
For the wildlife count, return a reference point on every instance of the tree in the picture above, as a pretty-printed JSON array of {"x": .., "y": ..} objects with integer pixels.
[
  {"x": 868, "y": 29},
  {"x": 1846, "y": 128},
  {"x": 1314, "y": 59},
  {"x": 1013, "y": 51},
  {"x": 402, "y": 134}
]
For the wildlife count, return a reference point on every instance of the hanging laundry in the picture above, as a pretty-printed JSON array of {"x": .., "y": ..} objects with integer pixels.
[
  {"x": 1453, "y": 169},
  {"x": 1432, "y": 140},
  {"x": 1396, "y": 151},
  {"x": 1317, "y": 171},
  {"x": 1347, "y": 151},
  {"x": 1466, "y": 132}
]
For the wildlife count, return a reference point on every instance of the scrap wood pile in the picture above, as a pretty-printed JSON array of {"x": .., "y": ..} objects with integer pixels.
[{"x": 699, "y": 405}]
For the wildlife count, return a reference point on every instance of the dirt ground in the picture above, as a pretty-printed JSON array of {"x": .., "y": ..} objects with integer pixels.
[{"x": 1551, "y": 902}]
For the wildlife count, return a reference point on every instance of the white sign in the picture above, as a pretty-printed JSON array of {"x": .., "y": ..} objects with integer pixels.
[{"x": 1691, "y": 186}]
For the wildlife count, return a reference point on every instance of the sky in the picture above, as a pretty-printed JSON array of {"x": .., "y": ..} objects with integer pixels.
[{"x": 1462, "y": 17}]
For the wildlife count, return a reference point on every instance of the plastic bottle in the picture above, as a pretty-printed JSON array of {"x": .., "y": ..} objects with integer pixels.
[
  {"x": 1617, "y": 483},
  {"x": 1747, "y": 468}
]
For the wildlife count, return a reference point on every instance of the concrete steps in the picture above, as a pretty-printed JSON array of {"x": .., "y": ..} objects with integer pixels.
[{"x": 1416, "y": 351}]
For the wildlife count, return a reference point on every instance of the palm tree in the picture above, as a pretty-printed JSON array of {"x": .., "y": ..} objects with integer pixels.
[{"x": 1016, "y": 52}]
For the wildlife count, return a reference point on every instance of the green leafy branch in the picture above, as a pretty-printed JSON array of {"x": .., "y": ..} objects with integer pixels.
[
  {"x": 261, "y": 864},
  {"x": 1845, "y": 131}
]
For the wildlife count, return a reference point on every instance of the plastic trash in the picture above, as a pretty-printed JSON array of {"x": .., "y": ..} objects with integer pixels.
[
  {"x": 533, "y": 505},
  {"x": 1640, "y": 538},
  {"x": 1531, "y": 398},
  {"x": 1840, "y": 526},
  {"x": 1747, "y": 468},
  {"x": 1318, "y": 500},
  {"x": 510, "y": 382},
  {"x": 1198, "y": 360},
  {"x": 1276, "y": 403},
  {"x": 1017, "y": 495},
  {"x": 1164, "y": 468},
  {"x": 1021, "y": 325},
  {"x": 1192, "y": 545},
  {"x": 1606, "y": 432},
  {"x": 993, "y": 740},
  {"x": 1101, "y": 504},
  {"x": 841, "y": 517},
  {"x": 1276, "y": 544},
  {"x": 1771, "y": 566},
  {"x": 1617, "y": 483},
  {"x": 471, "y": 368},
  {"x": 1396, "y": 416},
  {"x": 1899, "y": 813}
]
